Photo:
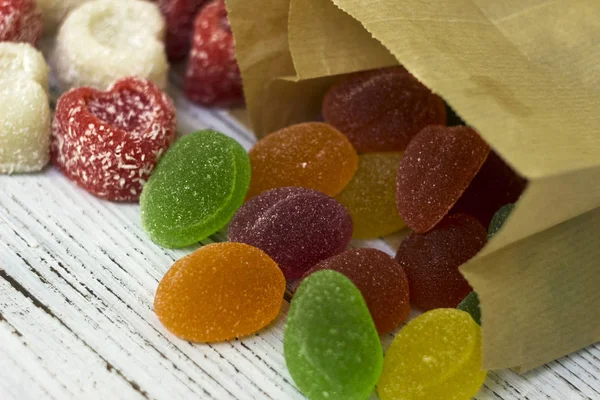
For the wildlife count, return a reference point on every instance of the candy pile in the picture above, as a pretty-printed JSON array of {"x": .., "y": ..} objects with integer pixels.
[{"x": 383, "y": 160}]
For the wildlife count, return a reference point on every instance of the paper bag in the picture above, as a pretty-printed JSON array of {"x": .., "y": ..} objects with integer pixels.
[{"x": 526, "y": 75}]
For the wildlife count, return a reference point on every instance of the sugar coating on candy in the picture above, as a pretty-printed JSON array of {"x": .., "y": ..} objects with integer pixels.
[
  {"x": 381, "y": 281},
  {"x": 104, "y": 40},
  {"x": 330, "y": 343},
  {"x": 20, "y": 21},
  {"x": 435, "y": 356},
  {"x": 195, "y": 189},
  {"x": 499, "y": 219},
  {"x": 212, "y": 77},
  {"x": 495, "y": 185},
  {"x": 470, "y": 304},
  {"x": 311, "y": 155},
  {"x": 370, "y": 197},
  {"x": 22, "y": 61},
  {"x": 431, "y": 261},
  {"x": 382, "y": 109},
  {"x": 436, "y": 169},
  {"x": 220, "y": 292},
  {"x": 297, "y": 227},
  {"x": 180, "y": 16},
  {"x": 24, "y": 126},
  {"x": 109, "y": 142}
]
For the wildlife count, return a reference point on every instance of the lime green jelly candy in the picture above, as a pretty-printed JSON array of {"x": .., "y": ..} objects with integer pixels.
[
  {"x": 195, "y": 189},
  {"x": 470, "y": 304},
  {"x": 435, "y": 356},
  {"x": 330, "y": 343},
  {"x": 499, "y": 219}
]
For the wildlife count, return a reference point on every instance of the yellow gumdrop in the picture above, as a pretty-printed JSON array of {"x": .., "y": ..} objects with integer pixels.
[
  {"x": 370, "y": 197},
  {"x": 436, "y": 356}
]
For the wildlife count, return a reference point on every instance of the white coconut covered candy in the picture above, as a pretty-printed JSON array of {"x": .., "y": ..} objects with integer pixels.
[
  {"x": 24, "y": 109},
  {"x": 104, "y": 40}
]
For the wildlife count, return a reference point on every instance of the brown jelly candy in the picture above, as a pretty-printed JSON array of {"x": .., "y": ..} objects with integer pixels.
[
  {"x": 437, "y": 167},
  {"x": 431, "y": 261},
  {"x": 382, "y": 109}
]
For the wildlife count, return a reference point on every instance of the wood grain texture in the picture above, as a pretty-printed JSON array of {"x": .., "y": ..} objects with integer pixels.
[{"x": 77, "y": 280}]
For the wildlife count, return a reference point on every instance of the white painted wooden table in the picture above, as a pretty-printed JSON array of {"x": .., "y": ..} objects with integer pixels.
[{"x": 77, "y": 281}]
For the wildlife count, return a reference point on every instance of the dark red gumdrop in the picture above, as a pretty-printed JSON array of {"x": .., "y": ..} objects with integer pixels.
[
  {"x": 20, "y": 21},
  {"x": 431, "y": 261},
  {"x": 381, "y": 281},
  {"x": 297, "y": 227},
  {"x": 179, "y": 16},
  {"x": 495, "y": 185},
  {"x": 437, "y": 167},
  {"x": 382, "y": 109}
]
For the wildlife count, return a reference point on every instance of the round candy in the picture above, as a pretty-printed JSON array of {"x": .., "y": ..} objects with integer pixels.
[
  {"x": 431, "y": 261},
  {"x": 220, "y": 292},
  {"x": 24, "y": 126},
  {"x": 370, "y": 197},
  {"x": 311, "y": 155},
  {"x": 470, "y": 304},
  {"x": 20, "y": 61},
  {"x": 382, "y": 109},
  {"x": 499, "y": 219},
  {"x": 109, "y": 142},
  {"x": 435, "y": 356},
  {"x": 495, "y": 184},
  {"x": 104, "y": 40},
  {"x": 179, "y": 15},
  {"x": 330, "y": 343},
  {"x": 195, "y": 190},
  {"x": 297, "y": 227},
  {"x": 436, "y": 169},
  {"x": 213, "y": 77},
  {"x": 20, "y": 21},
  {"x": 381, "y": 281}
]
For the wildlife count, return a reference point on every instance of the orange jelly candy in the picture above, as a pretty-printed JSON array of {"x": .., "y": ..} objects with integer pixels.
[
  {"x": 220, "y": 292},
  {"x": 312, "y": 155}
]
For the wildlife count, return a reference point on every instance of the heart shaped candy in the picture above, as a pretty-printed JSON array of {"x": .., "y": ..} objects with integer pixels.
[{"x": 109, "y": 142}]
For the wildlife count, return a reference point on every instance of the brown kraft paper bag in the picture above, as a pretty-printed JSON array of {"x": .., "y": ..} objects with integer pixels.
[{"x": 526, "y": 75}]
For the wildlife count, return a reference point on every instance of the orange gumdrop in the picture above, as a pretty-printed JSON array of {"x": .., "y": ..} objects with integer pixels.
[
  {"x": 312, "y": 155},
  {"x": 220, "y": 292}
]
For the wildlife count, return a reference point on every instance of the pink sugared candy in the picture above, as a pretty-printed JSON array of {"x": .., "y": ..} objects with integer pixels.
[
  {"x": 296, "y": 227},
  {"x": 179, "y": 15},
  {"x": 20, "y": 21},
  {"x": 213, "y": 77},
  {"x": 109, "y": 142}
]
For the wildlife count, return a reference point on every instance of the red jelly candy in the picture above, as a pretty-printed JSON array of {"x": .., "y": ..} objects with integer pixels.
[
  {"x": 495, "y": 185},
  {"x": 20, "y": 21},
  {"x": 296, "y": 227},
  {"x": 213, "y": 77},
  {"x": 431, "y": 261},
  {"x": 383, "y": 109},
  {"x": 179, "y": 15},
  {"x": 436, "y": 169},
  {"x": 381, "y": 281},
  {"x": 109, "y": 142}
]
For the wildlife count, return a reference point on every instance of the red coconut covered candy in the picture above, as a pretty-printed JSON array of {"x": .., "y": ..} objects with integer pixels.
[
  {"x": 431, "y": 261},
  {"x": 437, "y": 167},
  {"x": 109, "y": 142},
  {"x": 20, "y": 21},
  {"x": 382, "y": 109},
  {"x": 381, "y": 281},
  {"x": 179, "y": 15},
  {"x": 213, "y": 77}
]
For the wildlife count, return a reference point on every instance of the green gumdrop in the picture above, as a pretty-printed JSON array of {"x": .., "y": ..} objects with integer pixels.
[
  {"x": 470, "y": 304},
  {"x": 195, "y": 189},
  {"x": 499, "y": 218},
  {"x": 330, "y": 343}
]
